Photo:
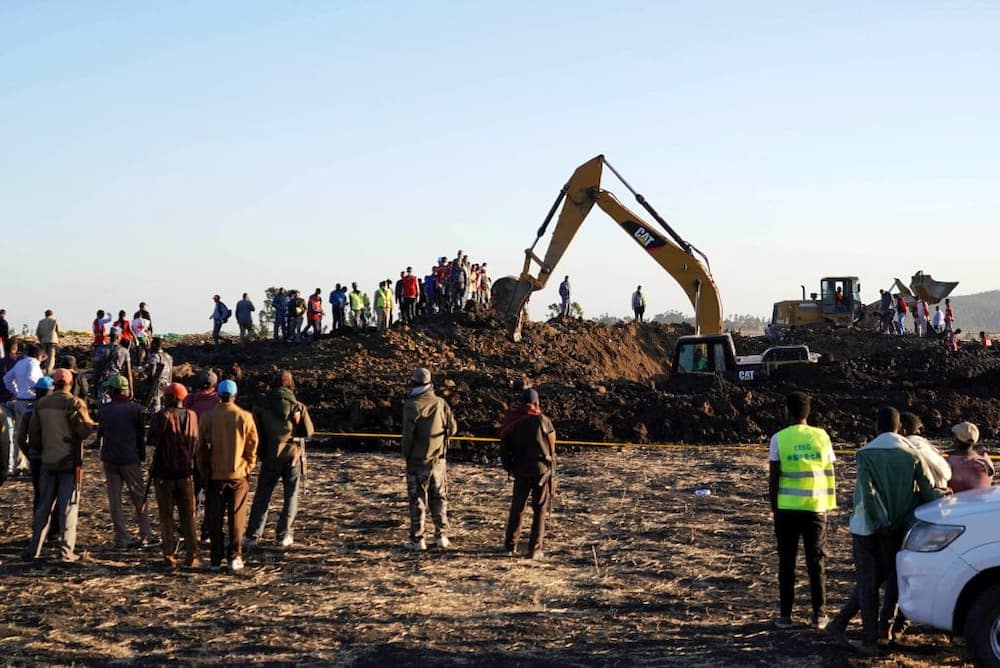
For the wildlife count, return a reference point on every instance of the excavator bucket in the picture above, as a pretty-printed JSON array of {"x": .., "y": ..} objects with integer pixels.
[
  {"x": 931, "y": 291},
  {"x": 510, "y": 295}
]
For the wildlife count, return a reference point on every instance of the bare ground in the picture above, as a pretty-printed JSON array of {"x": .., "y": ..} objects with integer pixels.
[{"x": 639, "y": 570}]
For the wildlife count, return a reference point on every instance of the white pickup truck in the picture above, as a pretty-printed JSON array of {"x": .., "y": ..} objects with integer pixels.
[{"x": 949, "y": 570}]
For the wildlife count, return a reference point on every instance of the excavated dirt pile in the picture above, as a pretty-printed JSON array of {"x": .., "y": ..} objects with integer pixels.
[{"x": 609, "y": 382}]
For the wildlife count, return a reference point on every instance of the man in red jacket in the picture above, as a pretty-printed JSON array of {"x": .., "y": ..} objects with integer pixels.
[
  {"x": 411, "y": 291},
  {"x": 528, "y": 452}
]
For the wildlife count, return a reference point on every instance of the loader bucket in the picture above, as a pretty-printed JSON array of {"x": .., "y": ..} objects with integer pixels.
[{"x": 926, "y": 288}]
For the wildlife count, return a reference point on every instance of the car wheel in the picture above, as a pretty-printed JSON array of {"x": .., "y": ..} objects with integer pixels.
[{"x": 982, "y": 629}]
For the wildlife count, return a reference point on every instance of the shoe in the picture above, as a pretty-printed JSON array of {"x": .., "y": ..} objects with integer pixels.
[
  {"x": 819, "y": 621},
  {"x": 70, "y": 558},
  {"x": 509, "y": 550},
  {"x": 442, "y": 542},
  {"x": 863, "y": 648},
  {"x": 250, "y": 542},
  {"x": 899, "y": 626},
  {"x": 416, "y": 545},
  {"x": 287, "y": 541},
  {"x": 194, "y": 563},
  {"x": 836, "y": 627},
  {"x": 537, "y": 555},
  {"x": 150, "y": 542},
  {"x": 236, "y": 564},
  {"x": 170, "y": 561},
  {"x": 783, "y": 622},
  {"x": 215, "y": 568}
]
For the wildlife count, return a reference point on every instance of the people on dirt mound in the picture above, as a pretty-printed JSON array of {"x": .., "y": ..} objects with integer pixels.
[{"x": 447, "y": 288}]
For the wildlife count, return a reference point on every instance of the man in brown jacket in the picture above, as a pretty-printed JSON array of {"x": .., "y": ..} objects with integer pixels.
[
  {"x": 59, "y": 424},
  {"x": 427, "y": 424},
  {"x": 226, "y": 456},
  {"x": 528, "y": 453}
]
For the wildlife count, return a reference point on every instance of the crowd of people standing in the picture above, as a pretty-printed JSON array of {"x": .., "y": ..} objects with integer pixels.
[{"x": 448, "y": 287}]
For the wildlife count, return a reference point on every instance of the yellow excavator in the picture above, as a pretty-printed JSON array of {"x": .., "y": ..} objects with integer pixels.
[{"x": 708, "y": 350}]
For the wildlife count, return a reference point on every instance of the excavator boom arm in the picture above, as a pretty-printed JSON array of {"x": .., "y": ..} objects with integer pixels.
[{"x": 578, "y": 197}]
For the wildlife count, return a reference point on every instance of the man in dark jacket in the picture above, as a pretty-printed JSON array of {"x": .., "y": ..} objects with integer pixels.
[
  {"x": 173, "y": 433},
  {"x": 283, "y": 425},
  {"x": 427, "y": 424},
  {"x": 202, "y": 401},
  {"x": 528, "y": 453},
  {"x": 123, "y": 450}
]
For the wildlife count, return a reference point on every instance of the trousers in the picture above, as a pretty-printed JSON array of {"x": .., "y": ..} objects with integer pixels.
[
  {"x": 226, "y": 499},
  {"x": 874, "y": 566},
  {"x": 789, "y": 527},
  {"x": 130, "y": 475},
  {"x": 178, "y": 494},
  {"x": 427, "y": 487},
  {"x": 538, "y": 488},
  {"x": 270, "y": 472},
  {"x": 58, "y": 492}
]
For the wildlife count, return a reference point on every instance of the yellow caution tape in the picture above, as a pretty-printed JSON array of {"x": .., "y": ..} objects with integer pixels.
[{"x": 602, "y": 444}]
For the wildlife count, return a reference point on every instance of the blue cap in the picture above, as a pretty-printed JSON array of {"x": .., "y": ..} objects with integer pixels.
[
  {"x": 227, "y": 387},
  {"x": 44, "y": 383}
]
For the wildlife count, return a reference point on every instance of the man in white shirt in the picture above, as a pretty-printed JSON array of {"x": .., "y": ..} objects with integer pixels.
[
  {"x": 920, "y": 313},
  {"x": 937, "y": 466},
  {"x": 937, "y": 322},
  {"x": 19, "y": 381}
]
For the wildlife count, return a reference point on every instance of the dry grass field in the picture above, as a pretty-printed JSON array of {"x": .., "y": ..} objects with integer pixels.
[{"x": 638, "y": 570}]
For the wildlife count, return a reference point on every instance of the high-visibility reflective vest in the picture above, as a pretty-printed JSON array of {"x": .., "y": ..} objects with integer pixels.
[
  {"x": 357, "y": 300},
  {"x": 383, "y": 298},
  {"x": 806, "y": 481}
]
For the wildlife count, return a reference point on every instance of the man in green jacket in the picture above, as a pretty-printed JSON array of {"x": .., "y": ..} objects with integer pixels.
[
  {"x": 283, "y": 425},
  {"x": 891, "y": 482},
  {"x": 427, "y": 424}
]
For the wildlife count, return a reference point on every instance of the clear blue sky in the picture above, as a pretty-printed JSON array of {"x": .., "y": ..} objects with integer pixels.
[{"x": 168, "y": 151}]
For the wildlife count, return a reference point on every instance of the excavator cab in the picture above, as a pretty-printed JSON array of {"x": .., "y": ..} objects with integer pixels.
[{"x": 705, "y": 354}]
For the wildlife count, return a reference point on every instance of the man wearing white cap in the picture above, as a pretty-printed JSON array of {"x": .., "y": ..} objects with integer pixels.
[{"x": 427, "y": 424}]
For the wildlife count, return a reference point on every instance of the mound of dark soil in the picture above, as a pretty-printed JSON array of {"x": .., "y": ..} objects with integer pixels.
[{"x": 608, "y": 382}]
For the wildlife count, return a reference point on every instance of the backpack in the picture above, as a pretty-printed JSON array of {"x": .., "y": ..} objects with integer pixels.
[{"x": 226, "y": 313}]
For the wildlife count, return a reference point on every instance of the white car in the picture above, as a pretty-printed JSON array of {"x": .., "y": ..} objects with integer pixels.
[{"x": 949, "y": 570}]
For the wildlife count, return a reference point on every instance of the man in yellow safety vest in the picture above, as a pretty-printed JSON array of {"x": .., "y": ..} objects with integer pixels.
[{"x": 802, "y": 489}]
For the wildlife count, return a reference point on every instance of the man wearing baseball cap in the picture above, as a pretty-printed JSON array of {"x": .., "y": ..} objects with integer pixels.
[
  {"x": 42, "y": 388},
  {"x": 427, "y": 424},
  {"x": 173, "y": 433},
  {"x": 59, "y": 424},
  {"x": 226, "y": 456},
  {"x": 969, "y": 468}
]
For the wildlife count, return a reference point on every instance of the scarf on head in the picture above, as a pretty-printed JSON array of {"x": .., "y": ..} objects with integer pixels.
[{"x": 520, "y": 413}]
